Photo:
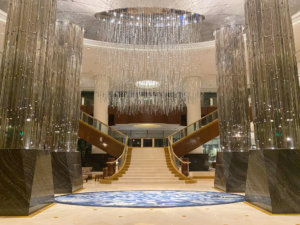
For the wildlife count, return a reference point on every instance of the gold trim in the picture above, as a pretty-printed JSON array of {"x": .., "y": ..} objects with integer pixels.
[
  {"x": 173, "y": 169},
  {"x": 219, "y": 190},
  {"x": 31, "y": 215},
  {"x": 262, "y": 210},
  {"x": 122, "y": 171},
  {"x": 203, "y": 177},
  {"x": 269, "y": 213},
  {"x": 80, "y": 190}
]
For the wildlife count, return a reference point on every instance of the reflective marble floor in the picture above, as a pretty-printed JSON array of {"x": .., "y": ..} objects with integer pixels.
[{"x": 230, "y": 214}]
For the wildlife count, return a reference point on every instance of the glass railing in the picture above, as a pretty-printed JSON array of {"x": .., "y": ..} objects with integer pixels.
[
  {"x": 115, "y": 134},
  {"x": 120, "y": 162},
  {"x": 175, "y": 160},
  {"x": 178, "y": 135},
  {"x": 148, "y": 142}
]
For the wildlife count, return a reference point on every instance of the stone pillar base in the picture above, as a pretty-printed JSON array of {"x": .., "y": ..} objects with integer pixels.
[
  {"x": 67, "y": 172},
  {"x": 273, "y": 180},
  {"x": 231, "y": 171},
  {"x": 26, "y": 183}
]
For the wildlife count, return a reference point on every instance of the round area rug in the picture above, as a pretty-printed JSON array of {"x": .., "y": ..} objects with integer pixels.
[{"x": 149, "y": 199}]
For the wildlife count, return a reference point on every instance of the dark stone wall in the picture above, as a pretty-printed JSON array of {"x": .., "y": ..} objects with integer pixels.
[
  {"x": 273, "y": 180},
  {"x": 26, "y": 182},
  {"x": 199, "y": 162},
  {"x": 97, "y": 161},
  {"x": 67, "y": 174},
  {"x": 231, "y": 171}
]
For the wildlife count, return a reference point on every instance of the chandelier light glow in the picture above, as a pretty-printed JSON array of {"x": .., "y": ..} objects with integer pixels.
[
  {"x": 147, "y": 84},
  {"x": 147, "y": 58}
]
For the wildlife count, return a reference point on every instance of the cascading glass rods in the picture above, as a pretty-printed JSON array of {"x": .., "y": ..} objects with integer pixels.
[{"x": 148, "y": 61}]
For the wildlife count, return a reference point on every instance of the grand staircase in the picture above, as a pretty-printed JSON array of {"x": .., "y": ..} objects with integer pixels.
[{"x": 149, "y": 166}]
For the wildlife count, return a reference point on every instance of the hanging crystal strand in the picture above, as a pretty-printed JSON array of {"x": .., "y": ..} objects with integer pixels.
[
  {"x": 66, "y": 103},
  {"x": 273, "y": 69},
  {"x": 147, "y": 45},
  {"x": 232, "y": 89},
  {"x": 25, "y": 65}
]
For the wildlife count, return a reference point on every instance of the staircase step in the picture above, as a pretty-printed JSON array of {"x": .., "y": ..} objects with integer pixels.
[
  {"x": 149, "y": 166},
  {"x": 151, "y": 182}
]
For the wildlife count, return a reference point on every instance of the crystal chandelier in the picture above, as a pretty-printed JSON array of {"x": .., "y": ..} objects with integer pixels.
[{"x": 147, "y": 58}]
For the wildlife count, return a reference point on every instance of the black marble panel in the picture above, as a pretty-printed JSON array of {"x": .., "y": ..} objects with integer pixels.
[
  {"x": 26, "y": 182},
  {"x": 199, "y": 162},
  {"x": 97, "y": 161},
  {"x": 273, "y": 180},
  {"x": 231, "y": 171},
  {"x": 67, "y": 173}
]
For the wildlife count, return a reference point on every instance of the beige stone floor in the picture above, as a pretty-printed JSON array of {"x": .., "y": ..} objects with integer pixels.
[{"x": 231, "y": 214}]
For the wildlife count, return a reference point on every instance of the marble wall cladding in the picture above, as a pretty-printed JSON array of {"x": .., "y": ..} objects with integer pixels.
[
  {"x": 26, "y": 182},
  {"x": 275, "y": 91},
  {"x": 231, "y": 171},
  {"x": 199, "y": 162},
  {"x": 97, "y": 161},
  {"x": 273, "y": 180},
  {"x": 67, "y": 173}
]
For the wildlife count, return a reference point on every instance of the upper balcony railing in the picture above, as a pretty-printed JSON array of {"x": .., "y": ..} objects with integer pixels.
[{"x": 179, "y": 135}]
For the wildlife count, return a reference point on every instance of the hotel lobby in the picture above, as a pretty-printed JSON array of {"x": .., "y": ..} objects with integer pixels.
[{"x": 150, "y": 112}]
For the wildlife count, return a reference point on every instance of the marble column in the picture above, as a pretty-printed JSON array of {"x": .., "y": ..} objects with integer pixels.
[
  {"x": 233, "y": 110},
  {"x": 273, "y": 179},
  {"x": 26, "y": 183},
  {"x": 67, "y": 61}
]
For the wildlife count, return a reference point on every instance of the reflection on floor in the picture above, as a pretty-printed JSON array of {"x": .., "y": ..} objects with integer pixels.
[
  {"x": 149, "y": 199},
  {"x": 230, "y": 214}
]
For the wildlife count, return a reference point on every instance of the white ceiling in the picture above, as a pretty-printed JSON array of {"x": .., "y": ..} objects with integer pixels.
[{"x": 217, "y": 13}]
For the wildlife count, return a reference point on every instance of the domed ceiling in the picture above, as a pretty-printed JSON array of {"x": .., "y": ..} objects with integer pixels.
[{"x": 216, "y": 12}]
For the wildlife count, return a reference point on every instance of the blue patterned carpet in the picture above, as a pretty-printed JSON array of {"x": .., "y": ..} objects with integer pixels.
[{"x": 149, "y": 199}]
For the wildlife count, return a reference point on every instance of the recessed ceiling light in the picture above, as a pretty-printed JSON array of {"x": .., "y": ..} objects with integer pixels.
[{"x": 147, "y": 125}]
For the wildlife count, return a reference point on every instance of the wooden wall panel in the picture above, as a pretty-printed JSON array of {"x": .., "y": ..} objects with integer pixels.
[
  {"x": 196, "y": 139},
  {"x": 92, "y": 136}
]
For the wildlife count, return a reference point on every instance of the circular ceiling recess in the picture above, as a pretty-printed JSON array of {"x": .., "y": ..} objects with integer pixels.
[
  {"x": 149, "y": 199},
  {"x": 131, "y": 14},
  {"x": 149, "y": 26}
]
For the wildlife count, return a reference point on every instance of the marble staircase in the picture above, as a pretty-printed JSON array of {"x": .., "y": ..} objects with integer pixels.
[{"x": 149, "y": 166}]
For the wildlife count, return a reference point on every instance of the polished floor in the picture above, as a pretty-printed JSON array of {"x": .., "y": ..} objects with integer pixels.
[{"x": 230, "y": 214}]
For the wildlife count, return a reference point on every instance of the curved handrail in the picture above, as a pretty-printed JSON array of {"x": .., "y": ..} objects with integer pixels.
[
  {"x": 120, "y": 164},
  {"x": 175, "y": 160},
  {"x": 173, "y": 153},
  {"x": 122, "y": 158},
  {"x": 113, "y": 133},
  {"x": 194, "y": 126}
]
